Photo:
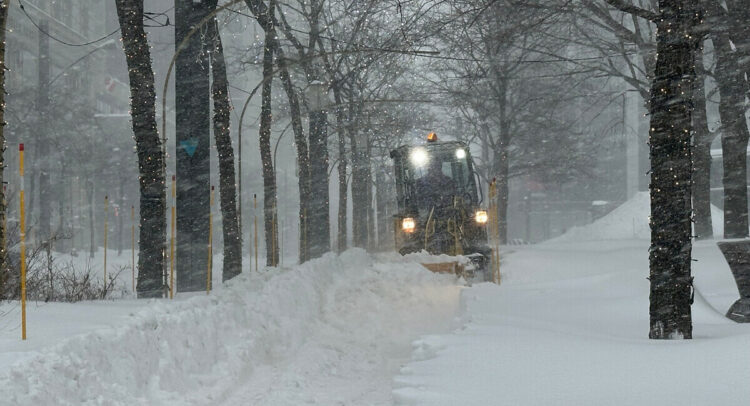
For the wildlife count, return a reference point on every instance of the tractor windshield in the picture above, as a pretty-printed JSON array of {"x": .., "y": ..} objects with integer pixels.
[{"x": 435, "y": 174}]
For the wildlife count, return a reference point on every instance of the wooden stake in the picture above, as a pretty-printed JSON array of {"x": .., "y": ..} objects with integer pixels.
[
  {"x": 255, "y": 215},
  {"x": 106, "y": 225},
  {"x": 132, "y": 244},
  {"x": 171, "y": 239},
  {"x": 210, "y": 241},
  {"x": 273, "y": 238},
  {"x": 23, "y": 245}
]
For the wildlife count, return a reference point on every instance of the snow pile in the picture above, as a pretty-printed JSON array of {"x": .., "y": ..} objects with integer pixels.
[
  {"x": 569, "y": 326},
  {"x": 330, "y": 331},
  {"x": 628, "y": 221}
]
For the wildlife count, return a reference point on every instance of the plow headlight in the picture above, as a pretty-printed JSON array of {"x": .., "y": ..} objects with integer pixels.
[
  {"x": 481, "y": 216},
  {"x": 460, "y": 153},
  {"x": 419, "y": 157},
  {"x": 408, "y": 225}
]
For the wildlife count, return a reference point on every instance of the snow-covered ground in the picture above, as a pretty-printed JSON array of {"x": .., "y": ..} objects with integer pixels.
[
  {"x": 333, "y": 331},
  {"x": 568, "y": 326}
]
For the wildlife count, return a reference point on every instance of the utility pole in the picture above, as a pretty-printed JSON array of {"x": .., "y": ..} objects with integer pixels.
[
  {"x": 192, "y": 146},
  {"x": 41, "y": 152}
]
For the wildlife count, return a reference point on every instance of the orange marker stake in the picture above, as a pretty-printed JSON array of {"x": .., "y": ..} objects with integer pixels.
[
  {"x": 106, "y": 226},
  {"x": 171, "y": 240},
  {"x": 23, "y": 246},
  {"x": 132, "y": 243},
  {"x": 210, "y": 242}
]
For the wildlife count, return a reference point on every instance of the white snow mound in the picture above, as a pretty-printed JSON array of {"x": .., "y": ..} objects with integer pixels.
[
  {"x": 274, "y": 338},
  {"x": 628, "y": 221}
]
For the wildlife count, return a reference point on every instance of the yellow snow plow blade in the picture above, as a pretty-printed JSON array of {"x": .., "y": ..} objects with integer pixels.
[{"x": 446, "y": 267}]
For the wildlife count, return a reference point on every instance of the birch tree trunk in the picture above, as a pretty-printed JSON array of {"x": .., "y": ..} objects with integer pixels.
[
  {"x": 227, "y": 189},
  {"x": 153, "y": 225},
  {"x": 671, "y": 169}
]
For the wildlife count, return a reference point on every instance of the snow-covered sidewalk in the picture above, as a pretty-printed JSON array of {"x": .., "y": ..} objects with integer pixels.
[
  {"x": 569, "y": 326},
  {"x": 333, "y": 331}
]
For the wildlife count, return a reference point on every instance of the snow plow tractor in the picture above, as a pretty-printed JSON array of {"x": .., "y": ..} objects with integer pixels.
[{"x": 439, "y": 206}]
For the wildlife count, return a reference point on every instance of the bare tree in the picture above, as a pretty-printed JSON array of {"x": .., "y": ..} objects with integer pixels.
[
  {"x": 153, "y": 226},
  {"x": 227, "y": 189},
  {"x": 269, "y": 173},
  {"x": 671, "y": 155}
]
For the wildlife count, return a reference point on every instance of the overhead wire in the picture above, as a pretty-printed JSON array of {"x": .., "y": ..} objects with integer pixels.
[
  {"x": 436, "y": 54},
  {"x": 23, "y": 8}
]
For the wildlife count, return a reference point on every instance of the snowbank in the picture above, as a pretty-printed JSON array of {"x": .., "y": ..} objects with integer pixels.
[
  {"x": 628, "y": 221},
  {"x": 275, "y": 338}
]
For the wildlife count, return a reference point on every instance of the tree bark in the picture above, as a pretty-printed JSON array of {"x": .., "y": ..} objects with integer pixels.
[
  {"x": 193, "y": 145},
  {"x": 319, "y": 201},
  {"x": 702, "y": 139},
  {"x": 360, "y": 207},
  {"x": 502, "y": 164},
  {"x": 343, "y": 184},
  {"x": 320, "y": 222},
  {"x": 735, "y": 135},
  {"x": 266, "y": 157},
  {"x": 383, "y": 190},
  {"x": 228, "y": 194},
  {"x": 670, "y": 142},
  {"x": 369, "y": 202},
  {"x": 3, "y": 207},
  {"x": 153, "y": 225}
]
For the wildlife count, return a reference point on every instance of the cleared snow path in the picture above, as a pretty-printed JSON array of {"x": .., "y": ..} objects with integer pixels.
[
  {"x": 569, "y": 326},
  {"x": 332, "y": 332}
]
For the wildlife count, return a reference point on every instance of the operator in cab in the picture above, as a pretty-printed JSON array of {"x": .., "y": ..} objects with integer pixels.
[{"x": 436, "y": 191}]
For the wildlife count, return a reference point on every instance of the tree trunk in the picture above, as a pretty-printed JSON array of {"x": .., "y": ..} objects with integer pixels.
[
  {"x": 318, "y": 205},
  {"x": 735, "y": 135},
  {"x": 368, "y": 185},
  {"x": 193, "y": 144},
  {"x": 303, "y": 161},
  {"x": 382, "y": 196},
  {"x": 227, "y": 191},
  {"x": 259, "y": 10},
  {"x": 153, "y": 225},
  {"x": 3, "y": 207},
  {"x": 702, "y": 138},
  {"x": 502, "y": 165},
  {"x": 343, "y": 184},
  {"x": 266, "y": 157},
  {"x": 670, "y": 142},
  {"x": 359, "y": 190}
]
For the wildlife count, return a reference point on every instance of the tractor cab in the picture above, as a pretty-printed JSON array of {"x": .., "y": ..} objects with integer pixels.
[{"x": 439, "y": 201}]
